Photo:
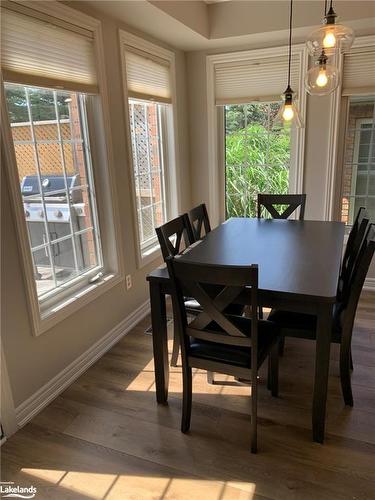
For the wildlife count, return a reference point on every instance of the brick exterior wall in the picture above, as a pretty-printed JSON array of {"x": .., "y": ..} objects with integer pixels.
[{"x": 356, "y": 112}]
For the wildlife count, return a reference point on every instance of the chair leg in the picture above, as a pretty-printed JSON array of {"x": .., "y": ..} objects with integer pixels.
[
  {"x": 351, "y": 360},
  {"x": 260, "y": 312},
  {"x": 346, "y": 385},
  {"x": 210, "y": 378},
  {"x": 254, "y": 413},
  {"x": 186, "y": 398},
  {"x": 281, "y": 346},
  {"x": 176, "y": 348},
  {"x": 269, "y": 374},
  {"x": 274, "y": 370}
]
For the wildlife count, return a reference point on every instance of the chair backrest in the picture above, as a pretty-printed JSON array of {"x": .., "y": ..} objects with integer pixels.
[
  {"x": 354, "y": 285},
  {"x": 173, "y": 234},
  {"x": 215, "y": 288},
  {"x": 353, "y": 247},
  {"x": 267, "y": 202},
  {"x": 199, "y": 220}
]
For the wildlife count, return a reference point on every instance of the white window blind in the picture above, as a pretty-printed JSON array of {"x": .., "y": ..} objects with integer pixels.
[
  {"x": 148, "y": 77},
  {"x": 37, "y": 51},
  {"x": 240, "y": 82},
  {"x": 359, "y": 72}
]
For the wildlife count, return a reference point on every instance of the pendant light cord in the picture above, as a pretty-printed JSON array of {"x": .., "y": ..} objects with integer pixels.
[
  {"x": 290, "y": 40},
  {"x": 325, "y": 7}
]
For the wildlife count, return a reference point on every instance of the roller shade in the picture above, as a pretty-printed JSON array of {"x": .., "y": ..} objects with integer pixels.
[
  {"x": 254, "y": 79},
  {"x": 148, "y": 77},
  {"x": 359, "y": 72},
  {"x": 38, "y": 52}
]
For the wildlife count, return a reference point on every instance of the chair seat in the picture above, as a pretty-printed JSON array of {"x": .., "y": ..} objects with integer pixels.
[
  {"x": 194, "y": 307},
  {"x": 268, "y": 334},
  {"x": 304, "y": 325}
]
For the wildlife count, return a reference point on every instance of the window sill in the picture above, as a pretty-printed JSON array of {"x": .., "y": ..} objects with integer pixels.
[
  {"x": 69, "y": 305},
  {"x": 149, "y": 255}
]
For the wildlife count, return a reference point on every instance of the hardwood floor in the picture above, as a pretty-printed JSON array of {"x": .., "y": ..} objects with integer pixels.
[{"x": 106, "y": 438}]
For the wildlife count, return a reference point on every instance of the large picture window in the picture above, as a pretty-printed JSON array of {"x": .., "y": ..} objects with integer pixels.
[
  {"x": 257, "y": 156},
  {"x": 55, "y": 147},
  {"x": 50, "y": 136}
]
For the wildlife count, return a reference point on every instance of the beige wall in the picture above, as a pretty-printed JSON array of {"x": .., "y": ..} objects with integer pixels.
[{"x": 33, "y": 361}]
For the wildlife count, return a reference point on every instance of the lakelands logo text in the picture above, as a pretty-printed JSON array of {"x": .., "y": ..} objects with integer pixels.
[{"x": 9, "y": 490}]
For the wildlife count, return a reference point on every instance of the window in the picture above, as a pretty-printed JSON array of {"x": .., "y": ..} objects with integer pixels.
[
  {"x": 257, "y": 156},
  {"x": 146, "y": 125},
  {"x": 49, "y": 130},
  {"x": 357, "y": 151},
  {"x": 358, "y": 181},
  {"x": 147, "y": 72},
  {"x": 51, "y": 106},
  {"x": 254, "y": 154}
]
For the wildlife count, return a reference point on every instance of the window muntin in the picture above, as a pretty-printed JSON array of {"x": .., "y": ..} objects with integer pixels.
[
  {"x": 257, "y": 156},
  {"x": 50, "y": 136},
  {"x": 147, "y": 122},
  {"x": 358, "y": 180}
]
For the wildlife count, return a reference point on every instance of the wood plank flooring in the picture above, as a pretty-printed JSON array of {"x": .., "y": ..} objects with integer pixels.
[{"x": 106, "y": 438}]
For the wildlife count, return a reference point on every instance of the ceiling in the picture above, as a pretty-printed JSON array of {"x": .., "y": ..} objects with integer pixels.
[{"x": 211, "y": 24}]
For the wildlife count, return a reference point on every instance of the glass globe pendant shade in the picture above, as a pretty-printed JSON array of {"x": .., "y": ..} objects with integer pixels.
[
  {"x": 288, "y": 115},
  {"x": 323, "y": 78},
  {"x": 330, "y": 37}
]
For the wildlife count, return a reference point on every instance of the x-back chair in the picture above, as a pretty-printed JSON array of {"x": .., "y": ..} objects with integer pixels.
[
  {"x": 219, "y": 342},
  {"x": 199, "y": 221},
  {"x": 267, "y": 202}
]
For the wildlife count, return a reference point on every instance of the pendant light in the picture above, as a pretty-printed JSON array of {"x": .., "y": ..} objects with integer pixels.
[
  {"x": 288, "y": 114},
  {"x": 330, "y": 36},
  {"x": 322, "y": 78}
]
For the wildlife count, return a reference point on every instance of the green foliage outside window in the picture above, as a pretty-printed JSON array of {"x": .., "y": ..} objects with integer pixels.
[
  {"x": 257, "y": 157},
  {"x": 42, "y": 104}
]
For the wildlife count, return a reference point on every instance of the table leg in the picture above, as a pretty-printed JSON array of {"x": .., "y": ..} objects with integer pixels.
[
  {"x": 160, "y": 342},
  {"x": 323, "y": 344}
]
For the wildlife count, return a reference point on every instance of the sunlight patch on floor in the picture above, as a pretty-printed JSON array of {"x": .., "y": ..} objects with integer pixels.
[
  {"x": 125, "y": 486},
  {"x": 224, "y": 384}
]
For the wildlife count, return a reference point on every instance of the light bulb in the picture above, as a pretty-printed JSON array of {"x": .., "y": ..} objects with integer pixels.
[
  {"x": 322, "y": 79},
  {"x": 288, "y": 113},
  {"x": 329, "y": 41}
]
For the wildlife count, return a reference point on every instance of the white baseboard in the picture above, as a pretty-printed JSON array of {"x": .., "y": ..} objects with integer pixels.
[
  {"x": 40, "y": 399},
  {"x": 369, "y": 284}
]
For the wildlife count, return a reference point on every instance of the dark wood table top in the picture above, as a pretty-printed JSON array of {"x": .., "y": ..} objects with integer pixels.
[{"x": 294, "y": 257}]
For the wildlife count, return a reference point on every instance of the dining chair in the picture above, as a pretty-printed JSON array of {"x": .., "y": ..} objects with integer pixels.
[
  {"x": 199, "y": 220},
  {"x": 289, "y": 203},
  {"x": 219, "y": 342},
  {"x": 174, "y": 237},
  {"x": 353, "y": 245},
  {"x": 304, "y": 325}
]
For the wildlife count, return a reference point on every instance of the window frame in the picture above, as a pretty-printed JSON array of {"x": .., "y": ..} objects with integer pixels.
[
  {"x": 162, "y": 118},
  {"x": 76, "y": 294},
  {"x": 61, "y": 292},
  {"x": 170, "y": 145},
  {"x": 216, "y": 126},
  {"x": 357, "y": 143},
  {"x": 339, "y": 122}
]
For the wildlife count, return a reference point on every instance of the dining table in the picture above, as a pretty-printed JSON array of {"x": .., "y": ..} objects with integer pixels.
[{"x": 299, "y": 265}]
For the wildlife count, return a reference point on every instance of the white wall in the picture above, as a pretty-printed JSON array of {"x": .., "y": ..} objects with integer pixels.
[{"x": 33, "y": 361}]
